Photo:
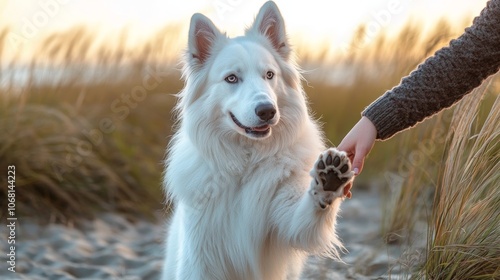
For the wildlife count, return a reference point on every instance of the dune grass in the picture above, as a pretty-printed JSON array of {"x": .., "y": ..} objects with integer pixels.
[
  {"x": 70, "y": 161},
  {"x": 412, "y": 178},
  {"x": 449, "y": 181},
  {"x": 444, "y": 173},
  {"x": 464, "y": 228},
  {"x": 90, "y": 140}
]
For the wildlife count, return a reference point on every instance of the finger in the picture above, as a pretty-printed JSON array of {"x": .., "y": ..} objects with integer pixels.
[
  {"x": 347, "y": 189},
  {"x": 348, "y": 150},
  {"x": 357, "y": 163},
  {"x": 350, "y": 156},
  {"x": 349, "y": 195},
  {"x": 359, "y": 159}
]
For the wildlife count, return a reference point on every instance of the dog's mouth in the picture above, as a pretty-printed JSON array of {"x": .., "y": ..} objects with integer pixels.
[{"x": 259, "y": 131}]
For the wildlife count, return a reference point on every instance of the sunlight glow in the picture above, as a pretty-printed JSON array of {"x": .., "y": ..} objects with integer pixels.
[{"x": 312, "y": 21}]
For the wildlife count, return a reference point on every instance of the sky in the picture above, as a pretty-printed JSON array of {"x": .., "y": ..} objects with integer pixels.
[{"x": 311, "y": 21}]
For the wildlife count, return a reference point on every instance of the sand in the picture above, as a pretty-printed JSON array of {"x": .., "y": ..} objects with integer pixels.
[{"x": 112, "y": 247}]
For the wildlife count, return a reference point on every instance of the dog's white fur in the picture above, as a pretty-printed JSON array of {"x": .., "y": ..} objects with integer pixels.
[{"x": 242, "y": 205}]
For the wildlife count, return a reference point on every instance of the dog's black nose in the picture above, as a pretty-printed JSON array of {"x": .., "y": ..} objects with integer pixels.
[{"x": 265, "y": 111}]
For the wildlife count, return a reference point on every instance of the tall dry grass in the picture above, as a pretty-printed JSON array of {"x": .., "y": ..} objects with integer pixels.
[
  {"x": 445, "y": 174},
  {"x": 75, "y": 152},
  {"x": 412, "y": 177},
  {"x": 433, "y": 173},
  {"x": 449, "y": 181},
  {"x": 419, "y": 151},
  {"x": 464, "y": 234}
]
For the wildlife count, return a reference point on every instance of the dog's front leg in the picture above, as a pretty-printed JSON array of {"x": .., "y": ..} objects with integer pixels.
[{"x": 307, "y": 219}]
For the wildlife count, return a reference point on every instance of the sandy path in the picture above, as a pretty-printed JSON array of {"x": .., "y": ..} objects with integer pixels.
[{"x": 113, "y": 248}]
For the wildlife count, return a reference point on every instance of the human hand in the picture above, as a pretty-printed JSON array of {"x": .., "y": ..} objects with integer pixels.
[{"x": 359, "y": 142}]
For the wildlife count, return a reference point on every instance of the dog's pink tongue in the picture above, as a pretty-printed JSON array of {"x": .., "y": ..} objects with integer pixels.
[{"x": 260, "y": 128}]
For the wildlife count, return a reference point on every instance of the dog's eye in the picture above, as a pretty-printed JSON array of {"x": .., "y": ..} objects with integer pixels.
[
  {"x": 232, "y": 79},
  {"x": 269, "y": 75}
]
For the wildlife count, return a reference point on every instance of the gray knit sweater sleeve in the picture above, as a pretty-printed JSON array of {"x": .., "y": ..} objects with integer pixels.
[{"x": 442, "y": 79}]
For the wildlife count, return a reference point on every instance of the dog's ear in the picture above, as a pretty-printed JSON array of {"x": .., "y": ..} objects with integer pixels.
[
  {"x": 270, "y": 23},
  {"x": 202, "y": 36}
]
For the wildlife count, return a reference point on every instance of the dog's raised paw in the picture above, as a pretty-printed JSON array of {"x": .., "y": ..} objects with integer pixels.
[{"x": 331, "y": 173}]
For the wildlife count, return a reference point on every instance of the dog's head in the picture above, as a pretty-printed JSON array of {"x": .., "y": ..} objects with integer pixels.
[{"x": 242, "y": 84}]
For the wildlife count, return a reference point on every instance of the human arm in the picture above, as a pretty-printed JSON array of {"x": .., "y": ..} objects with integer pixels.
[
  {"x": 438, "y": 83},
  {"x": 442, "y": 79}
]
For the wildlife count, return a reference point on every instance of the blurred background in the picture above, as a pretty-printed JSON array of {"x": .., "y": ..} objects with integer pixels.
[{"x": 86, "y": 87}]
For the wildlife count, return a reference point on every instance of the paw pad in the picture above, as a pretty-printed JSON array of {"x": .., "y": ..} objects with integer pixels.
[
  {"x": 331, "y": 173},
  {"x": 333, "y": 169}
]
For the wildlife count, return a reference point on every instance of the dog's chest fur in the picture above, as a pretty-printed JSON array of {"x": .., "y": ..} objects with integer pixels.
[{"x": 231, "y": 207}]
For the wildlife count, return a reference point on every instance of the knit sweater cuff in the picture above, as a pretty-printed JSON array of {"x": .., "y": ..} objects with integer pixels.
[{"x": 381, "y": 114}]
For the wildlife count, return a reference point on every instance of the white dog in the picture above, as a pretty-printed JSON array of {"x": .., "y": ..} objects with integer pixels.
[{"x": 239, "y": 166}]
